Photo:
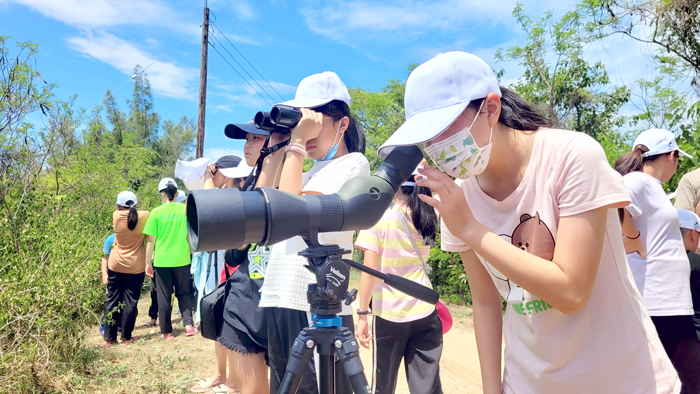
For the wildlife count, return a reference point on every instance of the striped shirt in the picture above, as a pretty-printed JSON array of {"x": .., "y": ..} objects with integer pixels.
[{"x": 396, "y": 256}]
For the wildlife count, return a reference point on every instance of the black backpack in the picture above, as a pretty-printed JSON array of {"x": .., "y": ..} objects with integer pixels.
[{"x": 213, "y": 304}]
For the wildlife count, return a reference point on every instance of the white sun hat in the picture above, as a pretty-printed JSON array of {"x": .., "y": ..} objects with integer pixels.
[
  {"x": 319, "y": 89},
  {"x": 659, "y": 141},
  {"x": 240, "y": 171},
  {"x": 688, "y": 220},
  {"x": 124, "y": 197},
  {"x": 437, "y": 92}
]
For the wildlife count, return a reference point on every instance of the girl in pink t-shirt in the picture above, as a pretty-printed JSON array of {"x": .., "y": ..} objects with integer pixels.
[{"x": 534, "y": 219}]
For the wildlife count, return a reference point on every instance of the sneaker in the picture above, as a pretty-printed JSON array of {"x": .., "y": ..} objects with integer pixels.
[
  {"x": 190, "y": 331},
  {"x": 128, "y": 341},
  {"x": 168, "y": 336}
]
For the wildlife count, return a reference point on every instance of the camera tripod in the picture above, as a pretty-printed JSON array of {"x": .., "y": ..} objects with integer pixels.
[{"x": 325, "y": 333}]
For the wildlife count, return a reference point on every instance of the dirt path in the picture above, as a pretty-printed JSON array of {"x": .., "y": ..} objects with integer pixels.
[{"x": 154, "y": 366}]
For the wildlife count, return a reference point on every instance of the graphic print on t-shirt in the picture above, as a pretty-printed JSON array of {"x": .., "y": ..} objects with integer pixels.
[
  {"x": 533, "y": 236},
  {"x": 258, "y": 257}
]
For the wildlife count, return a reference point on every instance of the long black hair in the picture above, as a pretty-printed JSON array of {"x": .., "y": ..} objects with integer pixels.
[
  {"x": 423, "y": 215},
  {"x": 634, "y": 159},
  {"x": 170, "y": 191},
  {"x": 133, "y": 218},
  {"x": 518, "y": 113},
  {"x": 354, "y": 136}
]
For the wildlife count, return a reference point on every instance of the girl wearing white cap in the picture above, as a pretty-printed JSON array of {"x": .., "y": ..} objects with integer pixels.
[
  {"x": 125, "y": 269},
  {"x": 534, "y": 219},
  {"x": 329, "y": 134},
  {"x": 168, "y": 247},
  {"x": 654, "y": 244}
]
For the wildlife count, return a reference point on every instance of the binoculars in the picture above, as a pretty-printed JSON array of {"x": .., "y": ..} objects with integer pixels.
[{"x": 280, "y": 119}]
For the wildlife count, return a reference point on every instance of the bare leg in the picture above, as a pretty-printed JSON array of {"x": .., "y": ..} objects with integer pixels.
[
  {"x": 250, "y": 372},
  {"x": 219, "y": 376}
]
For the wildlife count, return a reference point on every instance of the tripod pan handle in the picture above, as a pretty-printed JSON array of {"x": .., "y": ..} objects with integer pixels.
[{"x": 412, "y": 288}]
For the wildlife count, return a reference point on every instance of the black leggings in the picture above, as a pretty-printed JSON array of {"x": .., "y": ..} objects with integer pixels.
[
  {"x": 677, "y": 334},
  {"x": 123, "y": 291},
  {"x": 179, "y": 279}
]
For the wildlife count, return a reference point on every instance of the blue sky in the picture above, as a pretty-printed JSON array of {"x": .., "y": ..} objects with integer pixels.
[{"x": 88, "y": 47}]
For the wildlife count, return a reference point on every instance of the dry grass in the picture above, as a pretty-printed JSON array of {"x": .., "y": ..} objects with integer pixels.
[{"x": 152, "y": 365}]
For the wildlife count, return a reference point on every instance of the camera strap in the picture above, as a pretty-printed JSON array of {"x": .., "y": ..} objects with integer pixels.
[{"x": 264, "y": 152}]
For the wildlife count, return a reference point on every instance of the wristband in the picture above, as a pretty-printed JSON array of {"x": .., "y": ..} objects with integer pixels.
[
  {"x": 297, "y": 148},
  {"x": 363, "y": 313}
]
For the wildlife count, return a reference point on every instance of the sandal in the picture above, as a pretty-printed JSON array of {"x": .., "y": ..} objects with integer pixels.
[
  {"x": 168, "y": 337},
  {"x": 190, "y": 331},
  {"x": 220, "y": 389},
  {"x": 204, "y": 385},
  {"x": 109, "y": 343},
  {"x": 128, "y": 341}
]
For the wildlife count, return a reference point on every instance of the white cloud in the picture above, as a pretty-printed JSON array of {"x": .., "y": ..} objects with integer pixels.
[
  {"x": 243, "y": 9},
  {"x": 398, "y": 20},
  {"x": 224, "y": 108},
  {"x": 242, "y": 95},
  {"x": 166, "y": 78},
  {"x": 214, "y": 154},
  {"x": 105, "y": 13}
]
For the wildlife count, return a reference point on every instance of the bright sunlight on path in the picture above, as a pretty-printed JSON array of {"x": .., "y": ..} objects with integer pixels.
[{"x": 152, "y": 365}]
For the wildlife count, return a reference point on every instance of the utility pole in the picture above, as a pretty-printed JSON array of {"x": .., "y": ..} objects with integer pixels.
[{"x": 203, "y": 84}]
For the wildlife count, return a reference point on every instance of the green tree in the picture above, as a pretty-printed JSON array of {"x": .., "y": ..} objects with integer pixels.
[
  {"x": 574, "y": 92},
  {"x": 143, "y": 121}
]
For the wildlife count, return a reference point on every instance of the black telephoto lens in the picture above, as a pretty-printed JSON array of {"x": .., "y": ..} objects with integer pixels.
[{"x": 282, "y": 115}]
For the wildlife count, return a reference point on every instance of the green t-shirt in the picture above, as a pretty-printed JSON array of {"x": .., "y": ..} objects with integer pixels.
[{"x": 169, "y": 225}]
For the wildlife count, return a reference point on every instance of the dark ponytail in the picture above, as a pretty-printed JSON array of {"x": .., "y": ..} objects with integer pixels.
[
  {"x": 631, "y": 161},
  {"x": 354, "y": 137},
  {"x": 423, "y": 215},
  {"x": 517, "y": 113},
  {"x": 170, "y": 191},
  {"x": 133, "y": 218}
]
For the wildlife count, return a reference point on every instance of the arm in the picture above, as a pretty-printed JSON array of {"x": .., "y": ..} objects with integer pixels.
[
  {"x": 366, "y": 285},
  {"x": 151, "y": 241},
  {"x": 566, "y": 282},
  {"x": 271, "y": 164},
  {"x": 488, "y": 321},
  {"x": 104, "y": 270},
  {"x": 308, "y": 128},
  {"x": 631, "y": 237}
]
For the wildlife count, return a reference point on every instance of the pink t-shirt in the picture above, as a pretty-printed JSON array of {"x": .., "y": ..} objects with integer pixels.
[{"x": 609, "y": 346}]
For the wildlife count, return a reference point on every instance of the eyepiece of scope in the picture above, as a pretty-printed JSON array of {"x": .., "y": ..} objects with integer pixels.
[{"x": 281, "y": 115}]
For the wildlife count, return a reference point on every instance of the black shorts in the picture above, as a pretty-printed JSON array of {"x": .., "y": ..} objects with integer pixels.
[
  {"x": 245, "y": 324},
  {"x": 674, "y": 329},
  {"x": 239, "y": 341}
]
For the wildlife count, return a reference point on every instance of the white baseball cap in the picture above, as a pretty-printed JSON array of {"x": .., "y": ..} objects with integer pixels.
[
  {"x": 437, "y": 92},
  {"x": 689, "y": 220},
  {"x": 164, "y": 183},
  {"x": 319, "y": 89},
  {"x": 658, "y": 141},
  {"x": 181, "y": 196},
  {"x": 124, "y": 197},
  {"x": 240, "y": 171}
]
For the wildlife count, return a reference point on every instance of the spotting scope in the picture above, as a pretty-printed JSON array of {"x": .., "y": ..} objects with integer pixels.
[{"x": 228, "y": 218}]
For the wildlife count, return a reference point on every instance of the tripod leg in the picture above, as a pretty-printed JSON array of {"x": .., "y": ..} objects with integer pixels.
[
  {"x": 349, "y": 354},
  {"x": 302, "y": 351}
]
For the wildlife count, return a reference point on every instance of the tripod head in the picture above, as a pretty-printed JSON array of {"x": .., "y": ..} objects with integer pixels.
[{"x": 333, "y": 273}]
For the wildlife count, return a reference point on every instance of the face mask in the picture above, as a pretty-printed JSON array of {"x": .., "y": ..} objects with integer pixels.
[
  {"x": 459, "y": 156},
  {"x": 334, "y": 148}
]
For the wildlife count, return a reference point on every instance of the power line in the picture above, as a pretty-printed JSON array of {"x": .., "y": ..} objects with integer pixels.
[
  {"x": 244, "y": 58},
  {"x": 242, "y": 77},
  {"x": 243, "y": 68}
]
